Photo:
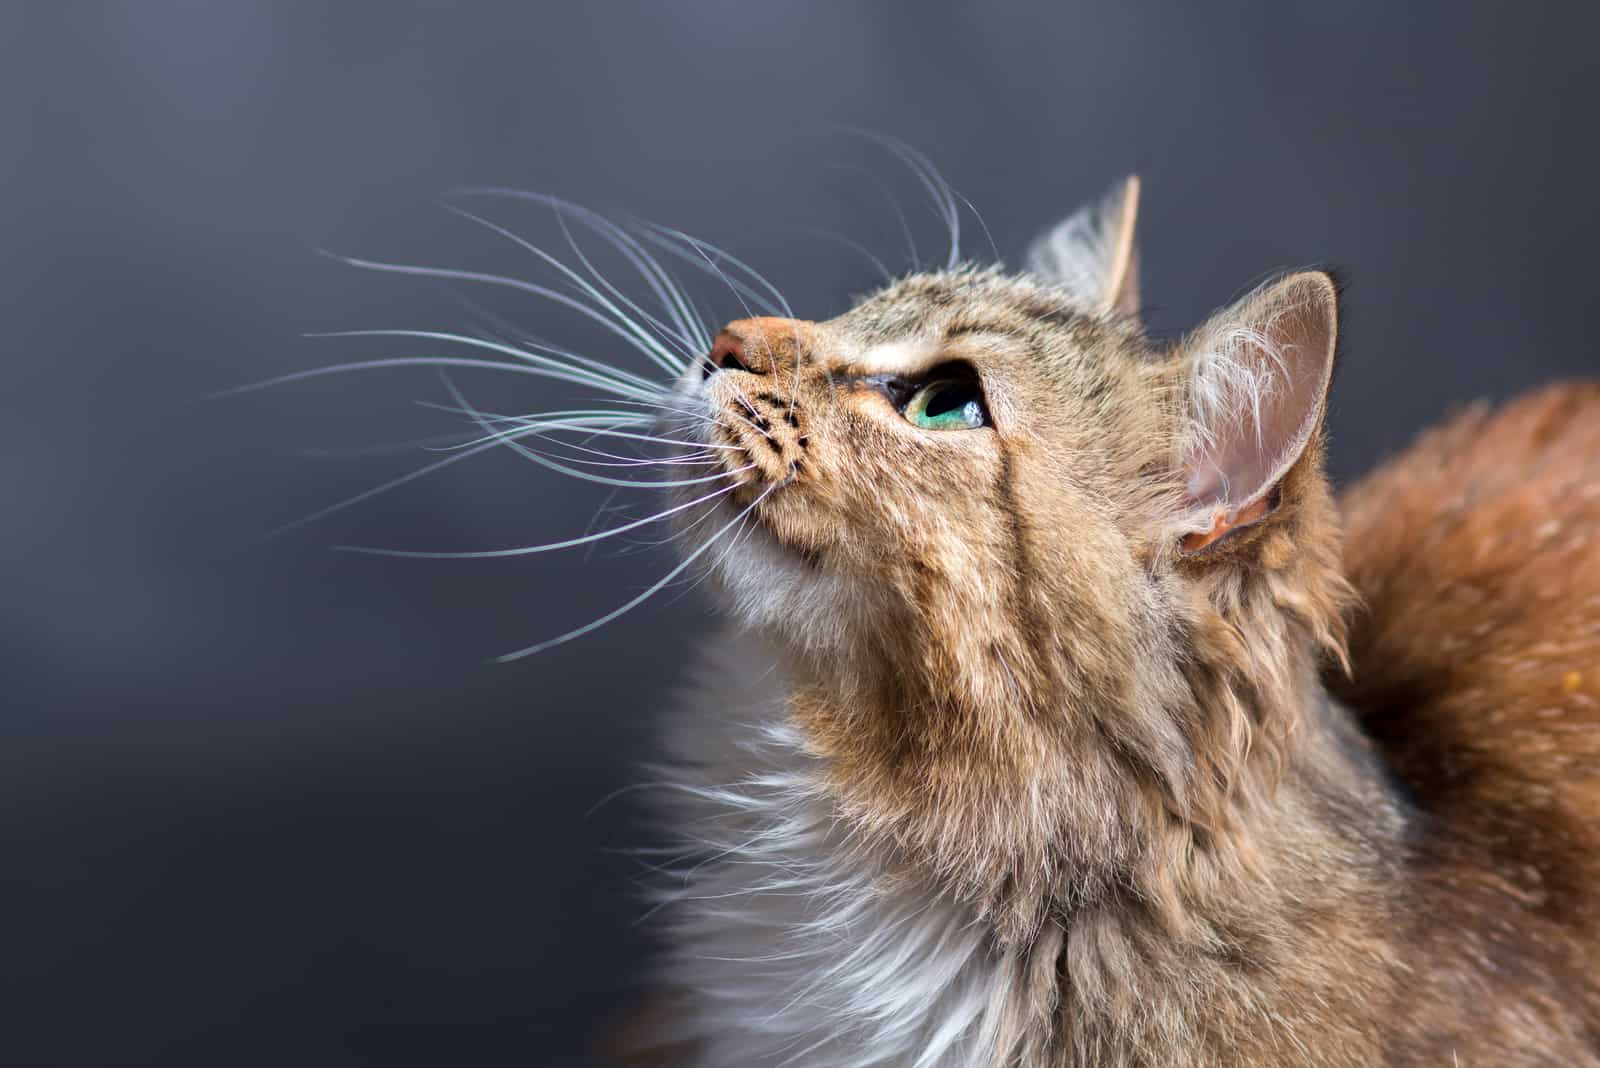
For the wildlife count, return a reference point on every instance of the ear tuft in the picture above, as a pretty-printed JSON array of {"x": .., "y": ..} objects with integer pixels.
[
  {"x": 1091, "y": 254},
  {"x": 1256, "y": 382}
]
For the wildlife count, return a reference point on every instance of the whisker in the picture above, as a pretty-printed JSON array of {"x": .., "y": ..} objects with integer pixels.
[
  {"x": 450, "y": 273},
  {"x": 854, "y": 246},
  {"x": 702, "y": 459},
  {"x": 739, "y": 289},
  {"x": 723, "y": 254},
  {"x": 690, "y": 413},
  {"x": 687, "y": 562},
  {"x": 527, "y": 550},
  {"x": 709, "y": 569},
  {"x": 651, "y": 543},
  {"x": 604, "y": 377},
  {"x": 987, "y": 235},
  {"x": 509, "y": 438},
  {"x": 644, "y": 420},
  {"x": 942, "y": 196},
  {"x": 679, "y": 341},
  {"x": 496, "y": 328},
  {"x": 594, "y": 520},
  {"x": 414, "y": 361},
  {"x": 894, "y": 206},
  {"x": 648, "y": 343},
  {"x": 615, "y": 460},
  {"x": 708, "y": 258},
  {"x": 366, "y": 495},
  {"x": 661, "y": 283},
  {"x": 387, "y": 448}
]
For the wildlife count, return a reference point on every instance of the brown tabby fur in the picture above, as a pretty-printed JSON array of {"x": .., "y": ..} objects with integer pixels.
[{"x": 1126, "y": 757}]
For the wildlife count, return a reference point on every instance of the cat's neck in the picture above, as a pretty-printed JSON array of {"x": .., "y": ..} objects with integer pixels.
[
  {"x": 1036, "y": 822},
  {"x": 1183, "y": 937}
]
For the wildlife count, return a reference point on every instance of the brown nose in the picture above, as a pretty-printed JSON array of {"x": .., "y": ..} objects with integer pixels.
[{"x": 759, "y": 346}]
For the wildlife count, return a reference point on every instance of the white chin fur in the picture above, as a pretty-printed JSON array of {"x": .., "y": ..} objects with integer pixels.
[{"x": 766, "y": 587}]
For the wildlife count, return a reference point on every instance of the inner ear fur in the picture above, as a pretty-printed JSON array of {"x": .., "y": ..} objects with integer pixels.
[
  {"x": 1255, "y": 383},
  {"x": 1092, "y": 253}
]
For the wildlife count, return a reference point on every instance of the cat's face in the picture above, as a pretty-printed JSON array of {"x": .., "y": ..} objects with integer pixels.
[
  {"x": 994, "y": 481},
  {"x": 936, "y": 474}
]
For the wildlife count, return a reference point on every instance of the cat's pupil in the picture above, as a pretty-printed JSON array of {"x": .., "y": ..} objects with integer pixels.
[{"x": 947, "y": 399}]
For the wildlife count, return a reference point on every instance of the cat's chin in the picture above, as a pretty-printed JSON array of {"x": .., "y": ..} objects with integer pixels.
[{"x": 764, "y": 584}]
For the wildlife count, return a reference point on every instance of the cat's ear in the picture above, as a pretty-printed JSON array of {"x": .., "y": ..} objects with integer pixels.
[
  {"x": 1255, "y": 383},
  {"x": 1091, "y": 254}
]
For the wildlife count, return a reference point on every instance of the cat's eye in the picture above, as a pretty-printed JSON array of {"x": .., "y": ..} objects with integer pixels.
[{"x": 947, "y": 404}]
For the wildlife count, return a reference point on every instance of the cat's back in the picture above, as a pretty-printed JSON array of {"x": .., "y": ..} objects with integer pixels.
[{"x": 1476, "y": 656}]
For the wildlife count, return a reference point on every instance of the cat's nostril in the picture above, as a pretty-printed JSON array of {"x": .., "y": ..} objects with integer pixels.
[{"x": 728, "y": 354}]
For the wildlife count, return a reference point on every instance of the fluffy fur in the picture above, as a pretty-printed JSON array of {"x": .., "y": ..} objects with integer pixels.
[{"x": 1030, "y": 760}]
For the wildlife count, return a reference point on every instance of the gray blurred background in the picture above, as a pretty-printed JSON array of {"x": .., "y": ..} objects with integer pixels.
[{"x": 267, "y": 804}]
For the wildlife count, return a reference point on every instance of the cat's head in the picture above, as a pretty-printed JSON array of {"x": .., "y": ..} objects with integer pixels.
[{"x": 1019, "y": 557}]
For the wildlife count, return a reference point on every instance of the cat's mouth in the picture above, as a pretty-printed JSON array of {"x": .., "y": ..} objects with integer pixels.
[{"x": 761, "y": 440}]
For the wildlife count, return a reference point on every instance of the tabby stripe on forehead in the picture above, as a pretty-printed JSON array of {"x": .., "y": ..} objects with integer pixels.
[
  {"x": 1052, "y": 316},
  {"x": 963, "y": 329}
]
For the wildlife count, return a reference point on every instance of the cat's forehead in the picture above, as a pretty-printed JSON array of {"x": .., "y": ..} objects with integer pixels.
[
  {"x": 928, "y": 302},
  {"x": 913, "y": 316}
]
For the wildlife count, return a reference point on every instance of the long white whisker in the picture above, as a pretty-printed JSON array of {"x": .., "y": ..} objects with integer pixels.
[
  {"x": 420, "y": 361},
  {"x": 677, "y": 535},
  {"x": 660, "y": 584},
  {"x": 501, "y": 332},
  {"x": 727, "y": 549},
  {"x": 776, "y": 304},
  {"x": 740, "y": 291},
  {"x": 894, "y": 207},
  {"x": 512, "y": 440},
  {"x": 387, "y": 448},
  {"x": 517, "y": 284},
  {"x": 688, "y": 413},
  {"x": 942, "y": 197},
  {"x": 393, "y": 483},
  {"x": 679, "y": 341},
  {"x": 933, "y": 183},
  {"x": 544, "y": 422},
  {"x": 610, "y": 379},
  {"x": 854, "y": 246},
  {"x": 509, "y": 438},
  {"x": 527, "y": 550},
  {"x": 545, "y": 292},
  {"x": 648, "y": 343},
  {"x": 700, "y": 459},
  {"x": 665, "y": 288},
  {"x": 987, "y": 236},
  {"x": 738, "y": 395}
]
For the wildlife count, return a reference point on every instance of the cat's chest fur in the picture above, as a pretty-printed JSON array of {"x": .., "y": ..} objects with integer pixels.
[{"x": 789, "y": 944}]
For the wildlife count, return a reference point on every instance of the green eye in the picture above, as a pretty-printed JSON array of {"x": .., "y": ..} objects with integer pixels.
[{"x": 951, "y": 404}]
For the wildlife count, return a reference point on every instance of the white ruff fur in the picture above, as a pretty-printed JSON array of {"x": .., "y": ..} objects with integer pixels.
[{"x": 792, "y": 946}]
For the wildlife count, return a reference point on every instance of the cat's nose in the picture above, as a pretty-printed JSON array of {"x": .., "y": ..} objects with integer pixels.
[
  {"x": 728, "y": 353},
  {"x": 759, "y": 346}
]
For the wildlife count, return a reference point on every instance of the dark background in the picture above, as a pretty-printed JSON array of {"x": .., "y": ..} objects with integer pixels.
[{"x": 266, "y": 804}]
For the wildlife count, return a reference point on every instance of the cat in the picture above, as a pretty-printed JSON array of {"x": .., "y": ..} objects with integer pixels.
[
  {"x": 1064, "y": 718},
  {"x": 1059, "y": 723}
]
